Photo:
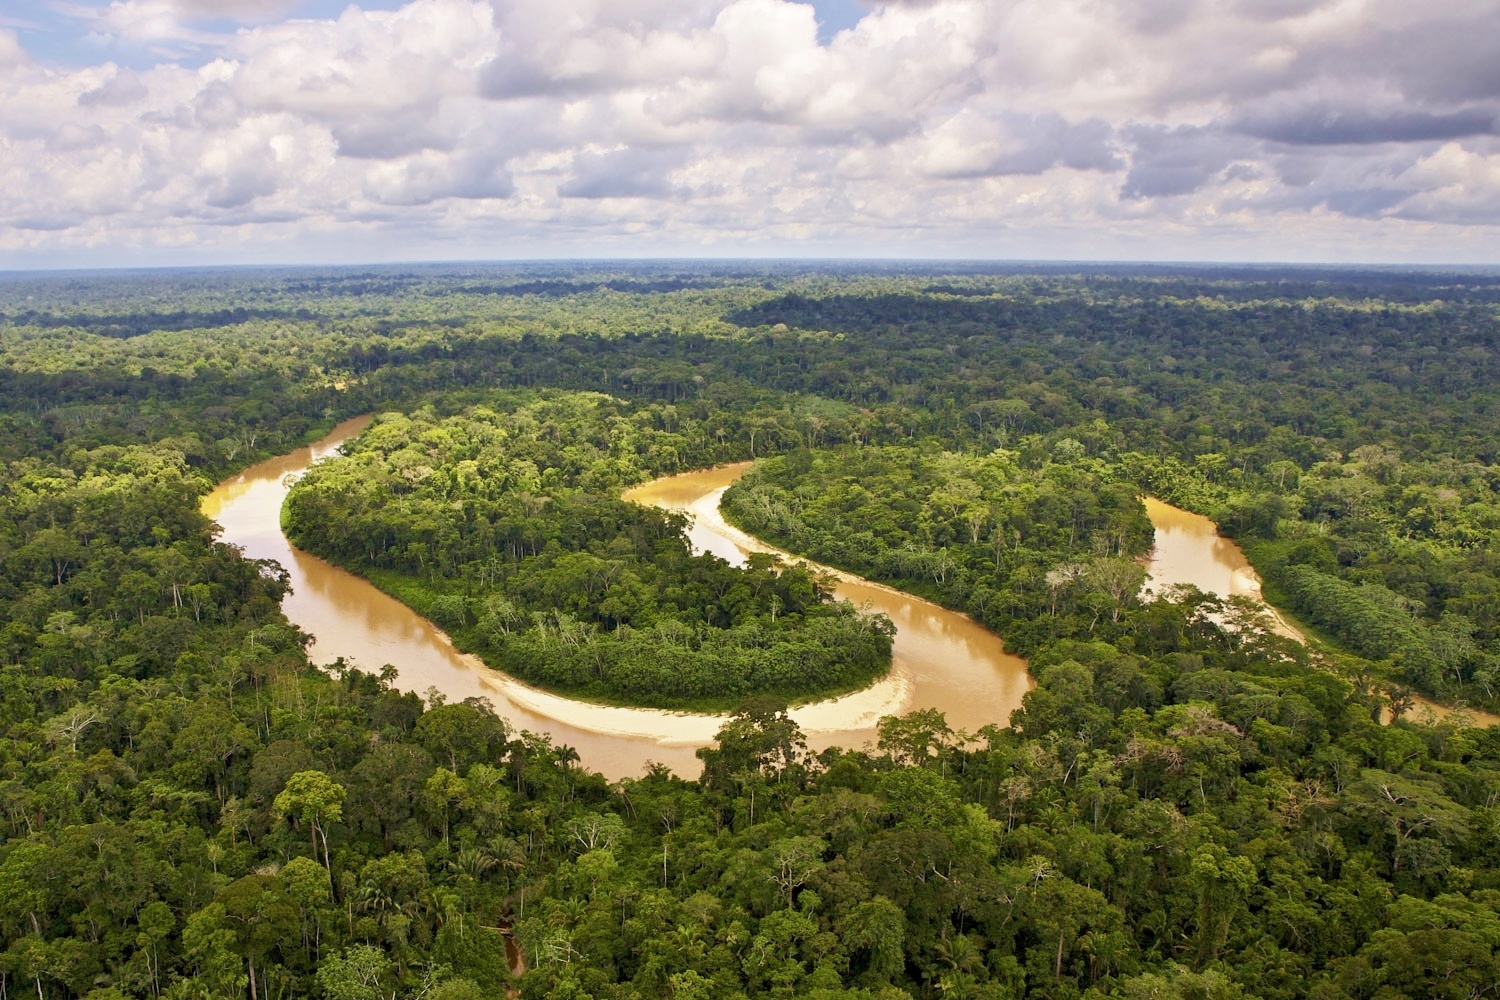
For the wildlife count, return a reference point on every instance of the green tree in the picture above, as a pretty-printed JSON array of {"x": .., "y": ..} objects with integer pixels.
[{"x": 314, "y": 799}]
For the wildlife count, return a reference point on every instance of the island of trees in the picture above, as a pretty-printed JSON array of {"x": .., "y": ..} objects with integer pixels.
[
  {"x": 1016, "y": 548},
  {"x": 504, "y": 525},
  {"x": 1186, "y": 806}
]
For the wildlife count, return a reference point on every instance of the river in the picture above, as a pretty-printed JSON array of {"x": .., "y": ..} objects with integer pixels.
[
  {"x": 1189, "y": 549},
  {"x": 942, "y": 659}
]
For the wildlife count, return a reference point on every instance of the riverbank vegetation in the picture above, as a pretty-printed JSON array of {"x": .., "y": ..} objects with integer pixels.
[
  {"x": 1033, "y": 553},
  {"x": 503, "y": 524},
  {"x": 188, "y": 808}
]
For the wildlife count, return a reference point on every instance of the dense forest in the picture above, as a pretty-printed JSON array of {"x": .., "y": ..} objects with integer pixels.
[
  {"x": 1186, "y": 806},
  {"x": 505, "y": 526},
  {"x": 1035, "y": 554}
]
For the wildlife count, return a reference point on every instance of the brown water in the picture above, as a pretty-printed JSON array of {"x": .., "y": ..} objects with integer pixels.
[
  {"x": 1189, "y": 549},
  {"x": 943, "y": 660},
  {"x": 349, "y": 617}
]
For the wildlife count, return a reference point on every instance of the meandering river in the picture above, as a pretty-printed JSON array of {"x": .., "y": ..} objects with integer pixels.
[
  {"x": 1189, "y": 549},
  {"x": 942, "y": 659}
]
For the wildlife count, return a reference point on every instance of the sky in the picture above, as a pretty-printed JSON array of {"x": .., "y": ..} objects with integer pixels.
[{"x": 171, "y": 132}]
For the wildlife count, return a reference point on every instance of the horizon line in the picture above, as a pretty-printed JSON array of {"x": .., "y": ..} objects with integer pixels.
[{"x": 805, "y": 261}]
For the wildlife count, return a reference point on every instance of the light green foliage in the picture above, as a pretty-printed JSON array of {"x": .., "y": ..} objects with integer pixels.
[
  {"x": 314, "y": 800},
  {"x": 360, "y": 973}
]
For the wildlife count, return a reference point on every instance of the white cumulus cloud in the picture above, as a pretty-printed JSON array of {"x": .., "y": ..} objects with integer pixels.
[{"x": 1272, "y": 128}]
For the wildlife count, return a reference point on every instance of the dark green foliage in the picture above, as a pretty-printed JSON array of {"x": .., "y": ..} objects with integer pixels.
[
  {"x": 1032, "y": 553},
  {"x": 1179, "y": 810},
  {"x": 504, "y": 526}
]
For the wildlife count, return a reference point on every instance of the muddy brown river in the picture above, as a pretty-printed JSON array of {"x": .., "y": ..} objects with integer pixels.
[
  {"x": 942, "y": 659},
  {"x": 1189, "y": 549}
]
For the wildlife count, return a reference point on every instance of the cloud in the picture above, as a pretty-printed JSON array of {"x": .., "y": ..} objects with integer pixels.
[
  {"x": 1169, "y": 162},
  {"x": 173, "y": 19},
  {"x": 1327, "y": 125},
  {"x": 623, "y": 173},
  {"x": 122, "y": 88},
  {"x": 1277, "y": 10},
  {"x": 1443, "y": 51},
  {"x": 1366, "y": 202},
  {"x": 973, "y": 144},
  {"x": 432, "y": 176},
  {"x": 951, "y": 125},
  {"x": 377, "y": 80},
  {"x": 11, "y": 52},
  {"x": 238, "y": 10},
  {"x": 579, "y": 47},
  {"x": 1453, "y": 185},
  {"x": 143, "y": 21}
]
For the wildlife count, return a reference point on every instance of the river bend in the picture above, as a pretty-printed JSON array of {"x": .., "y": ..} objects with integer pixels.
[{"x": 942, "y": 659}]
